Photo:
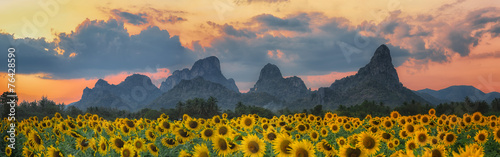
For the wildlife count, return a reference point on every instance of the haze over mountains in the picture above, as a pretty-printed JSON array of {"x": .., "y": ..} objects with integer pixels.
[{"x": 377, "y": 81}]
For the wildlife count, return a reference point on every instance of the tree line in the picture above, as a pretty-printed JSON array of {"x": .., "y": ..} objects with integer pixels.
[{"x": 207, "y": 108}]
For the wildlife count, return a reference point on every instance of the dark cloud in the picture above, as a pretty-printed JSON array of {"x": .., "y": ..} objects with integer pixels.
[
  {"x": 298, "y": 22},
  {"x": 101, "y": 48},
  {"x": 231, "y": 31},
  {"x": 335, "y": 47},
  {"x": 135, "y": 19},
  {"x": 460, "y": 41},
  {"x": 172, "y": 19}
]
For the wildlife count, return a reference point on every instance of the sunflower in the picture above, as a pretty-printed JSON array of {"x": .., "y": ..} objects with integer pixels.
[
  {"x": 421, "y": 137},
  {"x": 477, "y": 117},
  {"x": 470, "y": 150},
  {"x": 449, "y": 138},
  {"x": 8, "y": 151},
  {"x": 314, "y": 135},
  {"x": 270, "y": 135},
  {"x": 348, "y": 151},
  {"x": 247, "y": 122},
  {"x": 391, "y": 146},
  {"x": 153, "y": 149},
  {"x": 301, "y": 128},
  {"x": 207, "y": 134},
  {"x": 282, "y": 145},
  {"x": 437, "y": 151},
  {"x": 387, "y": 124},
  {"x": 221, "y": 145},
  {"x": 168, "y": 142},
  {"x": 223, "y": 130},
  {"x": 117, "y": 143},
  {"x": 36, "y": 141},
  {"x": 334, "y": 128},
  {"x": 341, "y": 141},
  {"x": 139, "y": 145},
  {"x": 103, "y": 146},
  {"x": 395, "y": 115},
  {"x": 192, "y": 124},
  {"x": 325, "y": 147},
  {"x": 82, "y": 144},
  {"x": 150, "y": 135},
  {"x": 253, "y": 146},
  {"x": 201, "y": 150},
  {"x": 164, "y": 124},
  {"x": 433, "y": 141},
  {"x": 323, "y": 132},
  {"x": 127, "y": 151},
  {"x": 368, "y": 142},
  {"x": 302, "y": 148},
  {"x": 481, "y": 136},
  {"x": 184, "y": 153},
  {"x": 411, "y": 145},
  {"x": 386, "y": 137},
  {"x": 496, "y": 134}
]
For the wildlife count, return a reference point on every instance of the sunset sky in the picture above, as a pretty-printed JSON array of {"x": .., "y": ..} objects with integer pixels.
[{"x": 63, "y": 46}]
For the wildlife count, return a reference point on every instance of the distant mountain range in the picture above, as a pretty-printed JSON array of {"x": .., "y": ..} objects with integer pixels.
[
  {"x": 456, "y": 94},
  {"x": 377, "y": 81}
]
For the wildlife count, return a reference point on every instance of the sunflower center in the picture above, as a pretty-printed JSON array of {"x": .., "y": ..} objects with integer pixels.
[
  {"x": 422, "y": 138},
  {"x": 314, "y": 135},
  {"x": 103, "y": 146},
  {"x": 301, "y": 152},
  {"x": 368, "y": 142},
  {"x": 326, "y": 146},
  {"x": 482, "y": 137},
  {"x": 126, "y": 153},
  {"x": 285, "y": 147},
  {"x": 130, "y": 124},
  {"x": 37, "y": 139},
  {"x": 410, "y": 128},
  {"x": 166, "y": 125},
  {"x": 119, "y": 143},
  {"x": 353, "y": 152},
  {"x": 193, "y": 124},
  {"x": 335, "y": 128},
  {"x": 183, "y": 133},
  {"x": 138, "y": 144},
  {"x": 204, "y": 154},
  {"x": 84, "y": 143},
  {"x": 170, "y": 141},
  {"x": 153, "y": 148},
  {"x": 386, "y": 135},
  {"x": 450, "y": 138},
  {"x": 436, "y": 153},
  {"x": 222, "y": 144},
  {"x": 248, "y": 122},
  {"x": 412, "y": 146},
  {"x": 302, "y": 127},
  {"x": 271, "y": 136},
  {"x": 498, "y": 134},
  {"x": 253, "y": 147},
  {"x": 477, "y": 117},
  {"x": 208, "y": 133},
  {"x": 388, "y": 124}
]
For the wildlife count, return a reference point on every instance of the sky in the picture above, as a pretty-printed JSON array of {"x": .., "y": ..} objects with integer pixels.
[{"x": 63, "y": 46}]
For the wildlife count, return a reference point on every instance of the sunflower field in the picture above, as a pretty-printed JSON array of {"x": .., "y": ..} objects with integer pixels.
[{"x": 300, "y": 135}]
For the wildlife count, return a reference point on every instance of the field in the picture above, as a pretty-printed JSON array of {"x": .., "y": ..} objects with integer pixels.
[{"x": 249, "y": 135}]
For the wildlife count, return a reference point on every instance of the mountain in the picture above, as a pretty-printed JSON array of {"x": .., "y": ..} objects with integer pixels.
[
  {"x": 272, "y": 82},
  {"x": 377, "y": 81},
  {"x": 132, "y": 94},
  {"x": 458, "y": 93},
  {"x": 200, "y": 88},
  {"x": 207, "y": 68}
]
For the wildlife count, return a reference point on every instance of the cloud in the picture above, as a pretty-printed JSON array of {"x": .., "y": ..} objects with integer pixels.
[
  {"x": 135, "y": 19},
  {"x": 172, "y": 19},
  {"x": 100, "y": 48},
  {"x": 231, "y": 31},
  {"x": 298, "y": 22},
  {"x": 340, "y": 47}
]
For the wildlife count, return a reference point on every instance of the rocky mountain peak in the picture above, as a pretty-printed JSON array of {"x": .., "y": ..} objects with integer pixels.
[
  {"x": 136, "y": 80},
  {"x": 209, "y": 65},
  {"x": 270, "y": 71},
  {"x": 101, "y": 83},
  {"x": 380, "y": 65},
  {"x": 207, "y": 68}
]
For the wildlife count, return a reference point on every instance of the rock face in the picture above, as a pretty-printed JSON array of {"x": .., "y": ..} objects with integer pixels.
[
  {"x": 200, "y": 88},
  {"x": 377, "y": 81},
  {"x": 272, "y": 82},
  {"x": 207, "y": 68},
  {"x": 132, "y": 94}
]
